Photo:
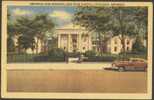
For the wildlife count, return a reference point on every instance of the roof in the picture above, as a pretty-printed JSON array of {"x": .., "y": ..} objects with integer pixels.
[{"x": 71, "y": 26}]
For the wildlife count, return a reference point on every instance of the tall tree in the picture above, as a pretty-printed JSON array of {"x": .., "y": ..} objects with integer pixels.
[
  {"x": 10, "y": 33},
  {"x": 121, "y": 21},
  {"x": 42, "y": 25},
  {"x": 25, "y": 33},
  {"x": 94, "y": 19},
  {"x": 30, "y": 30}
]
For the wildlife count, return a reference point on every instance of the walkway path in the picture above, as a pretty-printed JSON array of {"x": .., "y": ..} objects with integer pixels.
[{"x": 85, "y": 65}]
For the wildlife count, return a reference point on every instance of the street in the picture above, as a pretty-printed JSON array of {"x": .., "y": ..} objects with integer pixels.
[{"x": 82, "y": 81}]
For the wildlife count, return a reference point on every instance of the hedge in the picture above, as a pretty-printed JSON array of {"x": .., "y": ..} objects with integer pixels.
[
  {"x": 46, "y": 58},
  {"x": 100, "y": 59}
]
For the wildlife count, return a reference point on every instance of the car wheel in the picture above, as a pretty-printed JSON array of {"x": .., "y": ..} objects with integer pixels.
[{"x": 121, "y": 69}]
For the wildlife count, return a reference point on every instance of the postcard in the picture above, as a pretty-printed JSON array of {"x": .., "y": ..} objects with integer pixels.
[{"x": 76, "y": 50}]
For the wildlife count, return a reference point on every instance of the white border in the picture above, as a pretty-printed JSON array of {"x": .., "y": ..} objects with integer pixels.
[{"x": 4, "y": 67}]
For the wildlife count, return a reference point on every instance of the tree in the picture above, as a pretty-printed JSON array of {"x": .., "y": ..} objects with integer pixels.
[
  {"x": 31, "y": 30},
  {"x": 10, "y": 33},
  {"x": 127, "y": 23},
  {"x": 95, "y": 19},
  {"x": 25, "y": 33},
  {"x": 138, "y": 46},
  {"x": 141, "y": 19},
  {"x": 42, "y": 24},
  {"x": 120, "y": 21}
]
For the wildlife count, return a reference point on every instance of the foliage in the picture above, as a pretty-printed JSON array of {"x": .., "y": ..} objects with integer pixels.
[
  {"x": 57, "y": 52},
  {"x": 10, "y": 45},
  {"x": 112, "y": 57},
  {"x": 138, "y": 46},
  {"x": 44, "y": 57},
  {"x": 30, "y": 29},
  {"x": 95, "y": 19},
  {"x": 74, "y": 54},
  {"x": 52, "y": 43},
  {"x": 10, "y": 34},
  {"x": 90, "y": 53},
  {"x": 22, "y": 58},
  {"x": 53, "y": 55},
  {"x": 120, "y": 21}
]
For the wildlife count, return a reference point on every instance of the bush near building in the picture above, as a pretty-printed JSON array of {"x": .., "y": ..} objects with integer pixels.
[
  {"x": 138, "y": 47},
  {"x": 90, "y": 53},
  {"x": 74, "y": 54},
  {"x": 53, "y": 55},
  {"x": 59, "y": 55},
  {"x": 106, "y": 57}
]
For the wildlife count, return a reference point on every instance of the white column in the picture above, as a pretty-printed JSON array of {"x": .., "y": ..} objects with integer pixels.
[
  {"x": 79, "y": 42},
  {"x": 69, "y": 42},
  {"x": 59, "y": 41}
]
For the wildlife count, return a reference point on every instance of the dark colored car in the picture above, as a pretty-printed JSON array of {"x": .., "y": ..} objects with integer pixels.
[{"x": 132, "y": 64}]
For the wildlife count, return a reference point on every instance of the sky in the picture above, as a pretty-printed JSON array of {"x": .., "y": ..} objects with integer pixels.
[{"x": 61, "y": 15}]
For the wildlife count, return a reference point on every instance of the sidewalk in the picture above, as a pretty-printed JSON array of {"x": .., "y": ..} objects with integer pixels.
[{"x": 84, "y": 65}]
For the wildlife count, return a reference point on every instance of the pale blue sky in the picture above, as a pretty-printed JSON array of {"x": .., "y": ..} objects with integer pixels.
[{"x": 61, "y": 15}]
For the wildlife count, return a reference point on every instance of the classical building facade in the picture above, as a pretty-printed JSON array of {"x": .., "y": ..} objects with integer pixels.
[
  {"x": 80, "y": 40},
  {"x": 114, "y": 45},
  {"x": 74, "y": 40}
]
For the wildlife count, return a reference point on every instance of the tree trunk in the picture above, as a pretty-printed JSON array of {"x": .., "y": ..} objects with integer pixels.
[
  {"x": 123, "y": 46},
  {"x": 100, "y": 44},
  {"x": 37, "y": 41}
]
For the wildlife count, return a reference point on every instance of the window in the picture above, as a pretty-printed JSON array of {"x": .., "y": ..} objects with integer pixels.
[
  {"x": 115, "y": 41},
  {"x": 85, "y": 39},
  {"x": 127, "y": 48},
  {"x": 74, "y": 40},
  {"x": 115, "y": 49},
  {"x": 127, "y": 42},
  {"x": 74, "y": 46}
]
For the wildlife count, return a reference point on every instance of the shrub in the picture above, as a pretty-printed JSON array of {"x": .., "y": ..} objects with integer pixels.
[
  {"x": 74, "y": 54},
  {"x": 54, "y": 55},
  {"x": 127, "y": 55},
  {"x": 104, "y": 57},
  {"x": 41, "y": 58},
  {"x": 57, "y": 52},
  {"x": 138, "y": 46},
  {"x": 90, "y": 53}
]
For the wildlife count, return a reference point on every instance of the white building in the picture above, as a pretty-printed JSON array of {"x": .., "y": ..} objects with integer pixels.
[
  {"x": 80, "y": 40},
  {"x": 74, "y": 40},
  {"x": 114, "y": 45}
]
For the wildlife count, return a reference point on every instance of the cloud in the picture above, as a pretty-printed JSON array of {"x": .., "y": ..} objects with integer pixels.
[
  {"x": 62, "y": 15},
  {"x": 20, "y": 12}
]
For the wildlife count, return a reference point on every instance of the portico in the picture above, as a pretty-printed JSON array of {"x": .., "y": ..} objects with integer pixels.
[{"x": 74, "y": 40}]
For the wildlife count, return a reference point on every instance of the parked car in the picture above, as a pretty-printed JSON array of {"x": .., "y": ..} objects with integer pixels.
[{"x": 131, "y": 64}]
